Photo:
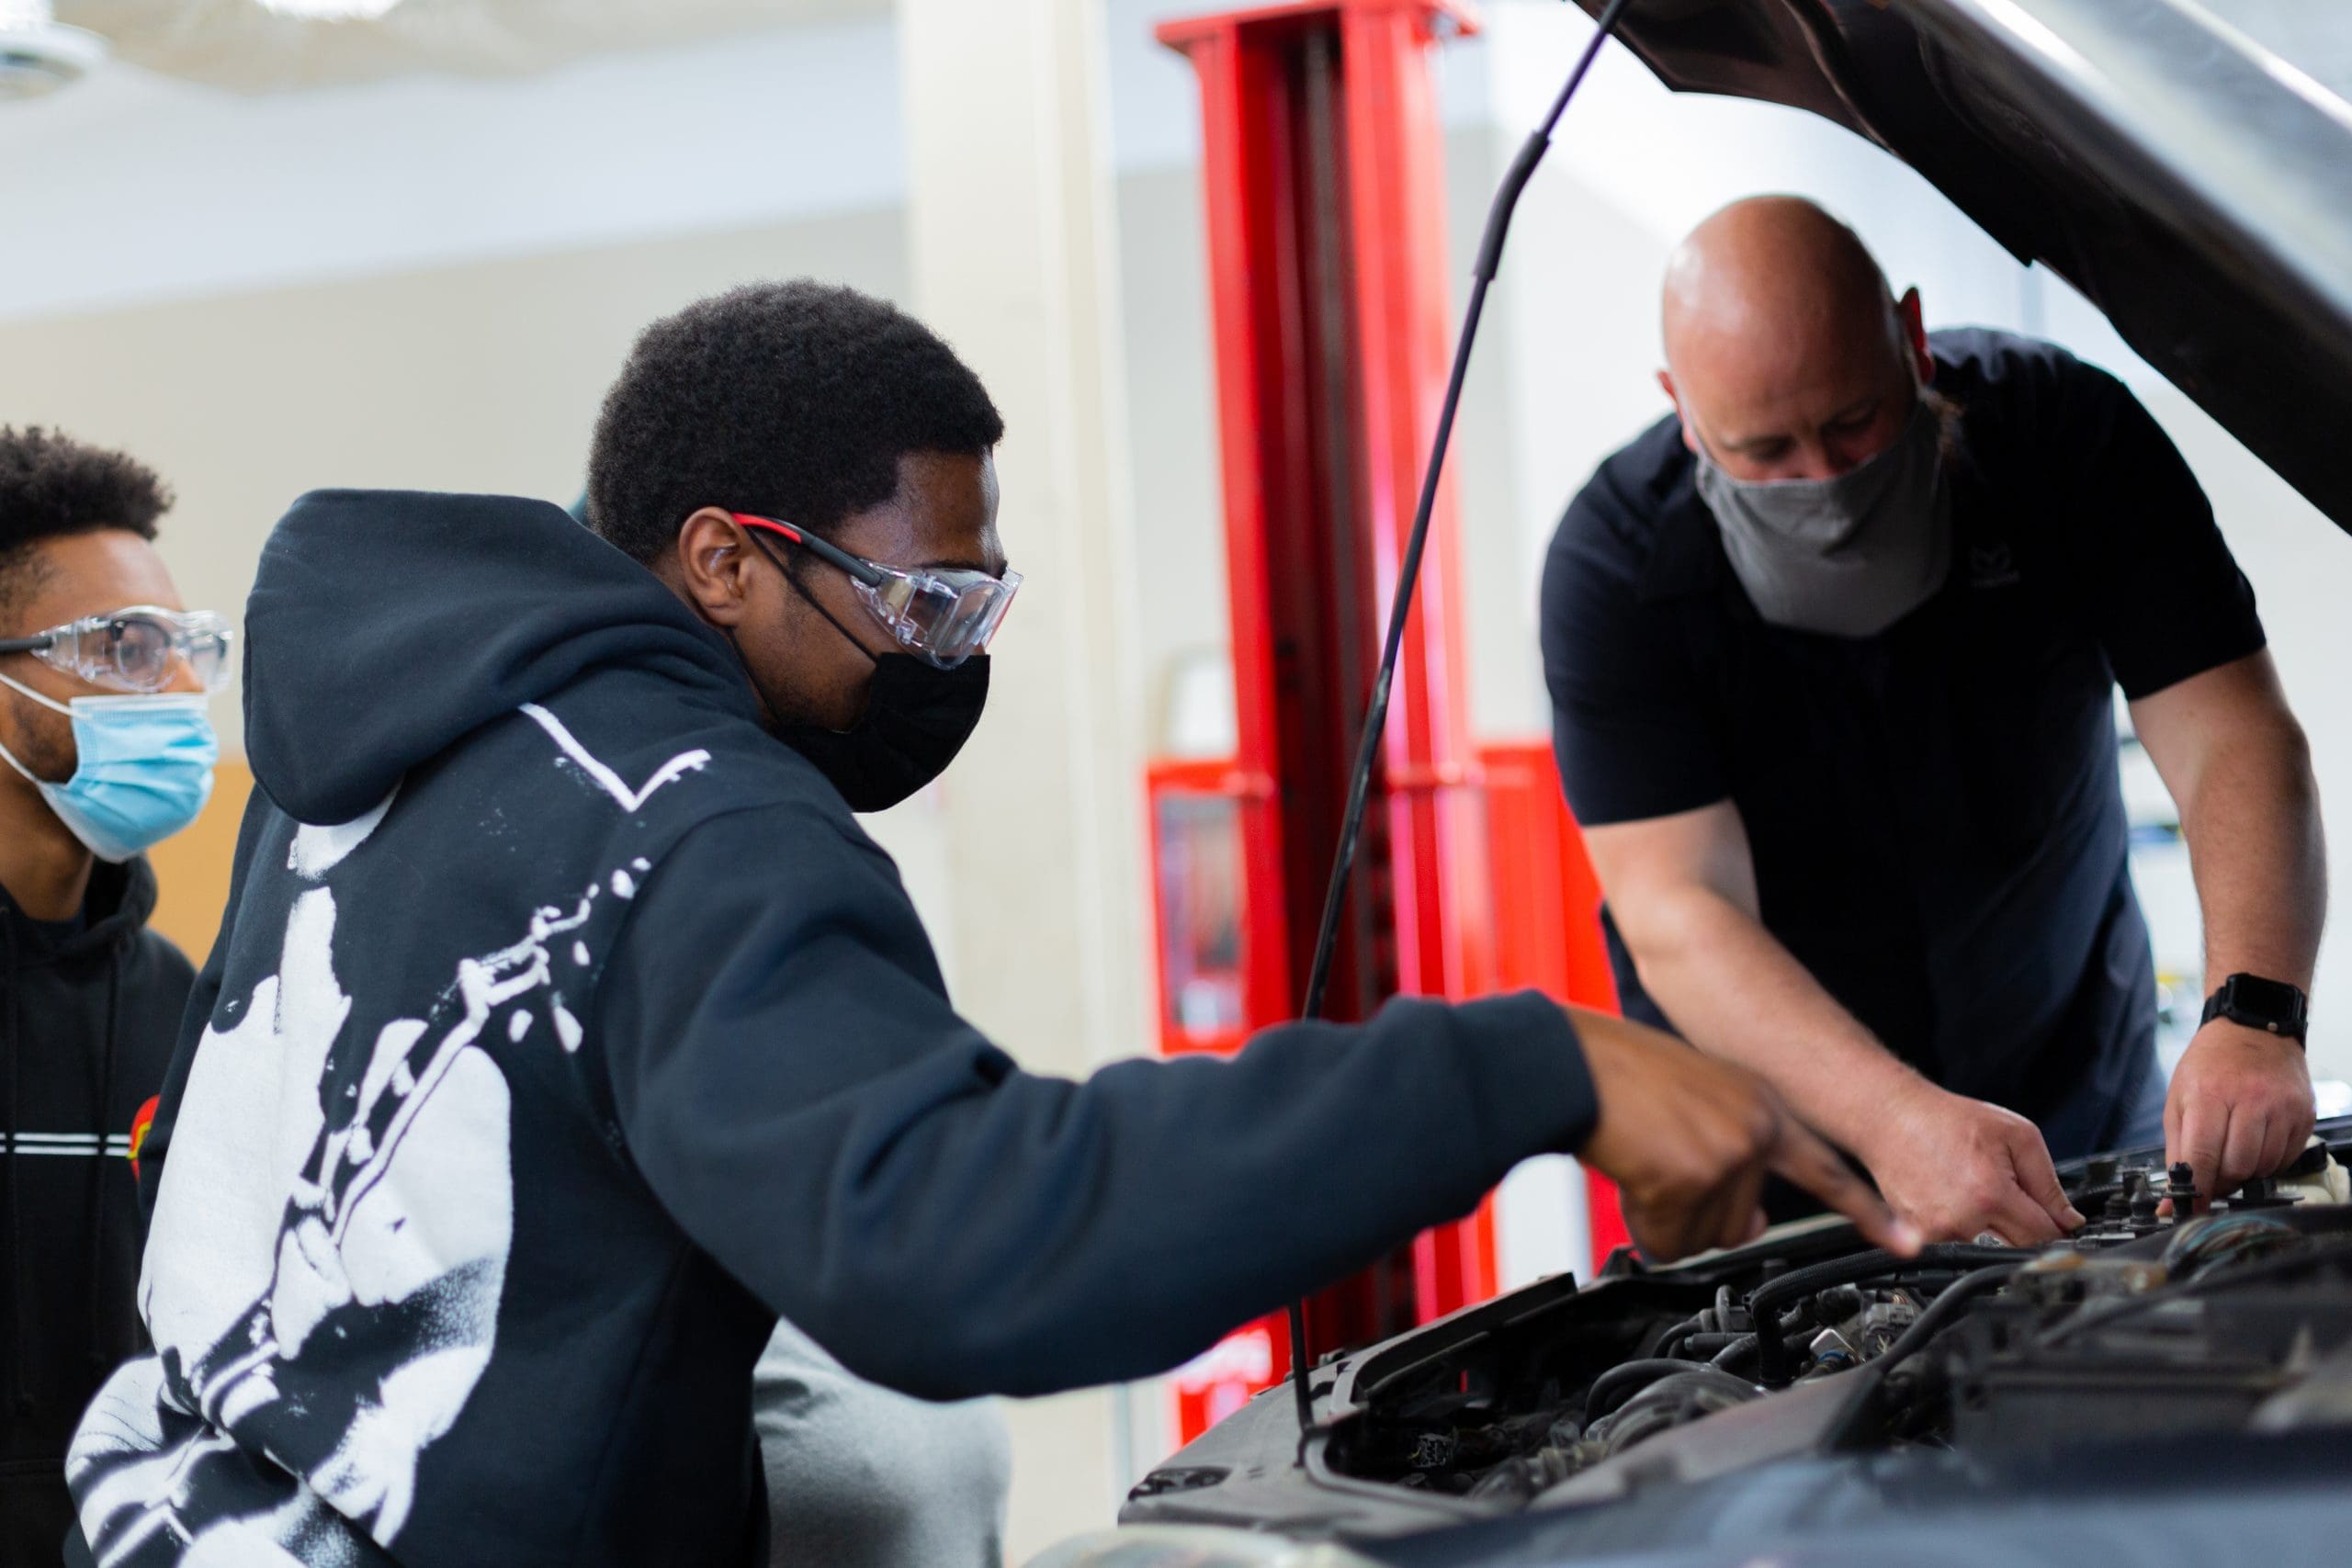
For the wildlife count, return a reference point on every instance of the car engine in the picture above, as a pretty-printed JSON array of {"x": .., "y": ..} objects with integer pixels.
[
  {"x": 2146, "y": 1321},
  {"x": 2164, "y": 1316}
]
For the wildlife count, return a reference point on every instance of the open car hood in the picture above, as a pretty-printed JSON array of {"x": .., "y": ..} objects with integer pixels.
[{"x": 2194, "y": 186}]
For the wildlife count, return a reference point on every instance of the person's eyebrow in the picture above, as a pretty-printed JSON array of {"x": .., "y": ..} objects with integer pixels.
[
  {"x": 961, "y": 563},
  {"x": 1860, "y": 408}
]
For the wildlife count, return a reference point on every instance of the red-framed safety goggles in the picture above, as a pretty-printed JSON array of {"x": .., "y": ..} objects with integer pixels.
[{"x": 943, "y": 615}]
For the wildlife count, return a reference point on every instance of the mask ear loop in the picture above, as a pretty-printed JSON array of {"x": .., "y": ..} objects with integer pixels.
[
  {"x": 778, "y": 562},
  {"x": 50, "y": 703},
  {"x": 30, "y": 777}
]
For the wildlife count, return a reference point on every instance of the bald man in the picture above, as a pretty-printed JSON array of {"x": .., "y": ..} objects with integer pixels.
[{"x": 1832, "y": 652}]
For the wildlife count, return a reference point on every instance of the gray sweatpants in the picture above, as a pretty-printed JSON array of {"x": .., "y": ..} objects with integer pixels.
[{"x": 861, "y": 1477}]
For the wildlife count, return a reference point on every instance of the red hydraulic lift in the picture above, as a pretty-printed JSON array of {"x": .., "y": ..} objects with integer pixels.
[{"x": 1326, "y": 240}]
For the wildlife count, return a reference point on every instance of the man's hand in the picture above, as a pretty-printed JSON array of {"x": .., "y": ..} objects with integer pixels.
[
  {"x": 1957, "y": 1167},
  {"x": 2240, "y": 1106},
  {"x": 1688, "y": 1141}
]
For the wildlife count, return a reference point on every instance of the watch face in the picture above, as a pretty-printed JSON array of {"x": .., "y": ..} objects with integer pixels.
[{"x": 2267, "y": 999}]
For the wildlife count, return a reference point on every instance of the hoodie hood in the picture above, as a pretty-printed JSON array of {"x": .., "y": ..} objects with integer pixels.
[{"x": 384, "y": 625}]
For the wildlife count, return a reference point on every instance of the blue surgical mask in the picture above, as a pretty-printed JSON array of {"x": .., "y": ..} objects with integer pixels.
[{"x": 144, "y": 769}]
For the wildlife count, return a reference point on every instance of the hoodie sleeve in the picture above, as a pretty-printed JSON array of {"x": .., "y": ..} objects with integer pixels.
[{"x": 795, "y": 1089}]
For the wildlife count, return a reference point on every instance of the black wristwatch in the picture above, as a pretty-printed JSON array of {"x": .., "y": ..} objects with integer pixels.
[{"x": 2272, "y": 1006}]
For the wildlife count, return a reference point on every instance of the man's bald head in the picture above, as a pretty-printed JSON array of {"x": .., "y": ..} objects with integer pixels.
[{"x": 1786, "y": 353}]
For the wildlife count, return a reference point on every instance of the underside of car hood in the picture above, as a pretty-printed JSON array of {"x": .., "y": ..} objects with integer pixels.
[{"x": 2194, "y": 186}]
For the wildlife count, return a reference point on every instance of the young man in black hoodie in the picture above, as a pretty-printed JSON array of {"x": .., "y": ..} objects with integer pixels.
[
  {"x": 566, "y": 1029},
  {"x": 93, "y": 769}
]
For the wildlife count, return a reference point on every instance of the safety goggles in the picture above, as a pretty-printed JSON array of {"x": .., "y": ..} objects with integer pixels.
[
  {"x": 142, "y": 648},
  {"x": 941, "y": 616}
]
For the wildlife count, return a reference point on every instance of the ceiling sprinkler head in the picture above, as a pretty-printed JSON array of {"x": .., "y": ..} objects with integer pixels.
[{"x": 37, "y": 55}]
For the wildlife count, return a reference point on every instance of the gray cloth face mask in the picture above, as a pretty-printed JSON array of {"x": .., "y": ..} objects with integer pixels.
[{"x": 1848, "y": 556}]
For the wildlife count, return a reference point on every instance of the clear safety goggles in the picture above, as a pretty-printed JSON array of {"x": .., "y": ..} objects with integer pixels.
[
  {"x": 941, "y": 616},
  {"x": 142, "y": 648}
]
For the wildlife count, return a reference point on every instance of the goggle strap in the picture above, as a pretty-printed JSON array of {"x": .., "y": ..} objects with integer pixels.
[{"x": 865, "y": 572}]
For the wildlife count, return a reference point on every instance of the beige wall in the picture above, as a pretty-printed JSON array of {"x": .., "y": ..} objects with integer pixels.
[{"x": 483, "y": 377}]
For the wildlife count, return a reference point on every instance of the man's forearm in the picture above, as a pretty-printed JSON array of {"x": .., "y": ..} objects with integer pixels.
[
  {"x": 1732, "y": 989},
  {"x": 2235, "y": 760},
  {"x": 2255, "y": 846},
  {"x": 2240, "y": 1104}
]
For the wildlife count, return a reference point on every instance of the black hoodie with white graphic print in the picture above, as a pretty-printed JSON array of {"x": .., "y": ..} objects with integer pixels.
[
  {"x": 566, "y": 1029},
  {"x": 89, "y": 1009}
]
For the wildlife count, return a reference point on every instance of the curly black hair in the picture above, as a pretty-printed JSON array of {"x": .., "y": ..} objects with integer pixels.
[
  {"x": 50, "y": 485},
  {"x": 794, "y": 400}
]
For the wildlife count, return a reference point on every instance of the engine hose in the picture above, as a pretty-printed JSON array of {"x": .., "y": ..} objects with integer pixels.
[
  {"x": 1926, "y": 1327},
  {"x": 1736, "y": 1352},
  {"x": 1941, "y": 1311},
  {"x": 1738, "y": 1347},
  {"x": 1674, "y": 1338},
  {"x": 1622, "y": 1382},
  {"x": 1765, "y": 1300}
]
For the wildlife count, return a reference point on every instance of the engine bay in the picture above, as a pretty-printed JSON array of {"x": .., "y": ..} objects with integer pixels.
[
  {"x": 1807, "y": 1345},
  {"x": 2142, "y": 1324}
]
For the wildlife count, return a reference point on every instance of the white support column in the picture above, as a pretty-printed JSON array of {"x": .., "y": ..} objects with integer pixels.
[{"x": 1013, "y": 249}]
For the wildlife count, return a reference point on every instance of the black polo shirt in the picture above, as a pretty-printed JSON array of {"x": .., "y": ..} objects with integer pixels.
[{"x": 1935, "y": 812}]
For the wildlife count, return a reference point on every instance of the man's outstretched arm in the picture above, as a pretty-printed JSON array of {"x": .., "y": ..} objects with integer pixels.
[{"x": 2240, "y": 771}]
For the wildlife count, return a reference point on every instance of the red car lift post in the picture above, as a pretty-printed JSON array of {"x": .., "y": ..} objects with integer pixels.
[{"x": 1327, "y": 239}]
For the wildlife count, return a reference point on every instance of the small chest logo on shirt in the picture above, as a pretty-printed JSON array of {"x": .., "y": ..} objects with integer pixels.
[
  {"x": 139, "y": 1125},
  {"x": 1992, "y": 565}
]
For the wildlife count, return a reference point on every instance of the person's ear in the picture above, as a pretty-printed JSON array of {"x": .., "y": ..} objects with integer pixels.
[
  {"x": 714, "y": 565},
  {"x": 1665, "y": 384},
  {"x": 1915, "y": 336}
]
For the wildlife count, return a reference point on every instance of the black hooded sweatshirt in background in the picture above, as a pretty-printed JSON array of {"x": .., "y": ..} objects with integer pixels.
[
  {"x": 89, "y": 1010},
  {"x": 566, "y": 1029}
]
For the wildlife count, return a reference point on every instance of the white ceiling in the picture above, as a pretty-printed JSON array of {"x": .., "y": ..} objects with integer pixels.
[{"x": 243, "y": 46}]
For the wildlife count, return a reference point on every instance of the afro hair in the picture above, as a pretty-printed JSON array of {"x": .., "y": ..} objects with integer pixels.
[
  {"x": 793, "y": 399},
  {"x": 51, "y": 486}
]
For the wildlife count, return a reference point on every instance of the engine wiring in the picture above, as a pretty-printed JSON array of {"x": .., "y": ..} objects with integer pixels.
[{"x": 1961, "y": 1347}]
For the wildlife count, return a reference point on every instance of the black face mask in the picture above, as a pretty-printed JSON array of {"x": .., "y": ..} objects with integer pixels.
[{"x": 917, "y": 717}]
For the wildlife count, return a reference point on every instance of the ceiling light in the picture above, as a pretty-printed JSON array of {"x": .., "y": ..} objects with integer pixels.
[{"x": 37, "y": 55}]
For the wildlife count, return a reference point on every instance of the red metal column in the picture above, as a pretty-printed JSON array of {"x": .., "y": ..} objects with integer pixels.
[
  {"x": 1321, "y": 153},
  {"x": 1547, "y": 919}
]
